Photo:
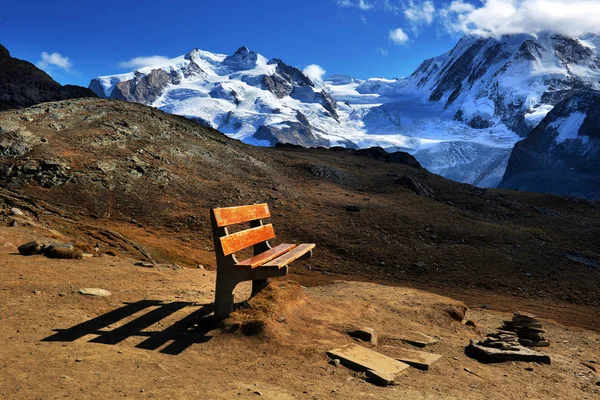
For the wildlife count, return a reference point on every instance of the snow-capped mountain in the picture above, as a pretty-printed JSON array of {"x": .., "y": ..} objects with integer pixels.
[
  {"x": 562, "y": 154},
  {"x": 244, "y": 95},
  {"x": 460, "y": 113}
]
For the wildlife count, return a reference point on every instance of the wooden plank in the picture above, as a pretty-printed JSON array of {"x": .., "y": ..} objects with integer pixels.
[
  {"x": 236, "y": 215},
  {"x": 267, "y": 256},
  {"x": 362, "y": 359},
  {"x": 291, "y": 255},
  {"x": 240, "y": 240}
]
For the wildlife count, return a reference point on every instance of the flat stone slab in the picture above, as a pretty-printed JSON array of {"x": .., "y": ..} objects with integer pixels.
[
  {"x": 94, "y": 292},
  {"x": 491, "y": 355},
  {"x": 417, "y": 359},
  {"x": 418, "y": 339},
  {"x": 362, "y": 359}
]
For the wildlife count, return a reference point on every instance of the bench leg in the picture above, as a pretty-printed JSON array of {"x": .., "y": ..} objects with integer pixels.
[
  {"x": 258, "y": 285},
  {"x": 224, "y": 297}
]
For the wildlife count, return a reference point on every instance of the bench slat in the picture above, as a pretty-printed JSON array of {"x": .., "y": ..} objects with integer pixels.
[
  {"x": 236, "y": 215},
  {"x": 290, "y": 256},
  {"x": 240, "y": 240},
  {"x": 267, "y": 256}
]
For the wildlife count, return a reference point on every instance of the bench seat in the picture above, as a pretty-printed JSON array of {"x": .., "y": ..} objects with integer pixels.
[{"x": 266, "y": 263}]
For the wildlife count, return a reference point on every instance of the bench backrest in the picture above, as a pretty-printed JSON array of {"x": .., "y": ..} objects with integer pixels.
[{"x": 226, "y": 243}]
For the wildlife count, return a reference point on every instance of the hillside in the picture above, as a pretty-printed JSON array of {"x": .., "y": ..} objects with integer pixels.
[
  {"x": 93, "y": 168},
  {"x": 22, "y": 84}
]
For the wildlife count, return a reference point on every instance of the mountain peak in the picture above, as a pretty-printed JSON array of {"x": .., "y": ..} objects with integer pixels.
[{"x": 243, "y": 51}]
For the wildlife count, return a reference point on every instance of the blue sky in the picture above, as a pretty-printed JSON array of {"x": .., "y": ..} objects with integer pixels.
[{"x": 77, "y": 40}]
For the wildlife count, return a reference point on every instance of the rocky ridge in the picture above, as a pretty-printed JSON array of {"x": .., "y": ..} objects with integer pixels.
[
  {"x": 562, "y": 154},
  {"x": 22, "y": 84}
]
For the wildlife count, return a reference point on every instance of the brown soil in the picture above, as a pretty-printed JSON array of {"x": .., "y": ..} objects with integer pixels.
[
  {"x": 167, "y": 349},
  {"x": 135, "y": 182}
]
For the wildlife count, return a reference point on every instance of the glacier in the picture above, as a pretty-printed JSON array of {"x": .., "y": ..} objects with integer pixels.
[{"x": 460, "y": 114}]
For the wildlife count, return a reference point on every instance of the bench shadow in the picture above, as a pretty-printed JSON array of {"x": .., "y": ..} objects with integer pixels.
[{"x": 192, "y": 329}]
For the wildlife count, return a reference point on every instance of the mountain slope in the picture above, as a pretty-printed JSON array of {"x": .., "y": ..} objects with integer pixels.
[
  {"x": 94, "y": 166},
  {"x": 455, "y": 110},
  {"x": 244, "y": 95},
  {"x": 562, "y": 154},
  {"x": 22, "y": 84}
]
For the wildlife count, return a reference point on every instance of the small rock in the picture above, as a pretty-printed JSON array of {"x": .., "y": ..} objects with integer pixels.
[
  {"x": 353, "y": 208},
  {"x": 281, "y": 319},
  {"x": 30, "y": 248},
  {"x": 365, "y": 334},
  {"x": 94, "y": 292},
  {"x": 530, "y": 369},
  {"x": 200, "y": 266},
  {"x": 16, "y": 212},
  {"x": 205, "y": 274},
  {"x": 380, "y": 378},
  {"x": 78, "y": 360},
  {"x": 144, "y": 264},
  {"x": 336, "y": 362},
  {"x": 419, "y": 264},
  {"x": 37, "y": 292},
  {"x": 256, "y": 392},
  {"x": 13, "y": 223}
]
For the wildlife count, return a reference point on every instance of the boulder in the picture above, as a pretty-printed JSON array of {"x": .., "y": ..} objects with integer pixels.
[
  {"x": 63, "y": 252},
  {"x": 30, "y": 248}
]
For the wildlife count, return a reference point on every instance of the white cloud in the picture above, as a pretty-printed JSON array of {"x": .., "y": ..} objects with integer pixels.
[
  {"x": 314, "y": 72},
  {"x": 499, "y": 17},
  {"x": 50, "y": 61},
  {"x": 381, "y": 51},
  {"x": 419, "y": 13},
  {"x": 362, "y": 4},
  {"x": 397, "y": 36},
  {"x": 141, "y": 62}
]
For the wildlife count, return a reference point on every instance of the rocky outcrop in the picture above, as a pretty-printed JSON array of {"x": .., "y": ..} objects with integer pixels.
[
  {"x": 145, "y": 88},
  {"x": 294, "y": 132},
  {"x": 562, "y": 154},
  {"x": 22, "y": 84}
]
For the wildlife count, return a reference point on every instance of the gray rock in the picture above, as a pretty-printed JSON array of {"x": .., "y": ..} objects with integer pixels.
[
  {"x": 62, "y": 251},
  {"x": 94, "y": 292},
  {"x": 491, "y": 355},
  {"x": 16, "y": 212},
  {"x": 30, "y": 248}
]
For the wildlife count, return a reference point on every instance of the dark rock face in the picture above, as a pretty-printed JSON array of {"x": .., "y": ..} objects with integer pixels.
[
  {"x": 417, "y": 187},
  {"x": 562, "y": 154},
  {"x": 242, "y": 59},
  {"x": 144, "y": 88},
  {"x": 295, "y": 133},
  {"x": 398, "y": 157},
  {"x": 22, "y": 84}
]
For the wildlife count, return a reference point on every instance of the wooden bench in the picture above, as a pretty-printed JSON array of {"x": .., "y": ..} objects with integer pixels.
[{"x": 266, "y": 263}]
